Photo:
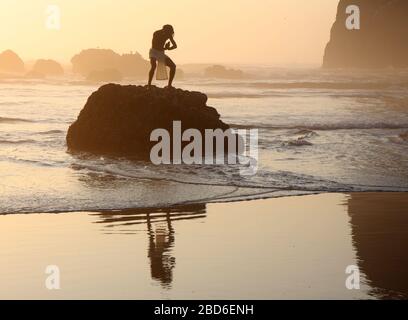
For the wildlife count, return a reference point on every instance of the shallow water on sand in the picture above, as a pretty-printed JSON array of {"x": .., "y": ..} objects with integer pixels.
[
  {"x": 287, "y": 248},
  {"x": 319, "y": 132}
]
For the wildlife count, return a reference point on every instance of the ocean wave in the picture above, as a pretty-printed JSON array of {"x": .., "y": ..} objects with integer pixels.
[
  {"x": 56, "y": 207},
  {"x": 404, "y": 136},
  {"x": 241, "y": 95},
  {"x": 214, "y": 176},
  {"x": 323, "y": 127},
  {"x": 400, "y": 139},
  {"x": 28, "y": 141},
  {"x": 300, "y": 142},
  {"x": 51, "y": 132},
  {"x": 37, "y": 163},
  {"x": 110, "y": 186},
  {"x": 13, "y": 120},
  {"x": 330, "y": 85},
  {"x": 304, "y": 133}
]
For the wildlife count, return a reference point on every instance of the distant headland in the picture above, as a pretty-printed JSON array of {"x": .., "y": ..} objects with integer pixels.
[{"x": 380, "y": 41}]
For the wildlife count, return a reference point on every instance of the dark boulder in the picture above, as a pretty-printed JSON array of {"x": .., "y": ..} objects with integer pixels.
[{"x": 120, "y": 119}]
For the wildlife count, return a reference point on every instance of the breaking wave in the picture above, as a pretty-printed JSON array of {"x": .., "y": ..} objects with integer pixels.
[
  {"x": 2, "y": 141},
  {"x": 13, "y": 120},
  {"x": 323, "y": 127}
]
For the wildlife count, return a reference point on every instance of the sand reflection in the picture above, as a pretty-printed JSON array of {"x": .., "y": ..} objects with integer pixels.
[{"x": 160, "y": 232}]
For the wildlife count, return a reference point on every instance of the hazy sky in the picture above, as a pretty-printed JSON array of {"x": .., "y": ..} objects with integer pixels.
[{"x": 227, "y": 31}]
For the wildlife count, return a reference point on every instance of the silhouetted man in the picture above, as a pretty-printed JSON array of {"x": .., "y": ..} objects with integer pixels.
[{"x": 162, "y": 40}]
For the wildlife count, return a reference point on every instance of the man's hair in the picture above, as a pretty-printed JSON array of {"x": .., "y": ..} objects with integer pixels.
[{"x": 169, "y": 28}]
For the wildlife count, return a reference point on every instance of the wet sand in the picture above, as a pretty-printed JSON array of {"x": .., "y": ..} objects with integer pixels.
[{"x": 285, "y": 248}]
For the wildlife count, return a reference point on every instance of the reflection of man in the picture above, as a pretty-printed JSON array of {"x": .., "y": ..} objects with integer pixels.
[
  {"x": 162, "y": 40},
  {"x": 160, "y": 244},
  {"x": 161, "y": 237}
]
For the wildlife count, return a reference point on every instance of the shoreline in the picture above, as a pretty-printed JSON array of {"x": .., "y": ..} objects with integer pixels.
[{"x": 256, "y": 197}]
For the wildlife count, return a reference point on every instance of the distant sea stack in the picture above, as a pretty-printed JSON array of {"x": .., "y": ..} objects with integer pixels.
[
  {"x": 120, "y": 119},
  {"x": 221, "y": 72},
  {"x": 11, "y": 62},
  {"x": 96, "y": 60},
  {"x": 381, "y": 42},
  {"x": 47, "y": 68}
]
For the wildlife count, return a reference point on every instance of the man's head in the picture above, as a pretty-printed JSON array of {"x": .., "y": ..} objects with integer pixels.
[{"x": 169, "y": 30}]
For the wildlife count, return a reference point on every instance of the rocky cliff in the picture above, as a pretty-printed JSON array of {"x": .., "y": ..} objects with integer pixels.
[
  {"x": 381, "y": 41},
  {"x": 120, "y": 119}
]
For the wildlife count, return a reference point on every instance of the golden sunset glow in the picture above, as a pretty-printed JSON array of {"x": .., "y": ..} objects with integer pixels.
[
  {"x": 203, "y": 150},
  {"x": 232, "y": 31}
]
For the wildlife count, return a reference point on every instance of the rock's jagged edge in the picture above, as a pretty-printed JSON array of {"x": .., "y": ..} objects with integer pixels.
[
  {"x": 120, "y": 119},
  {"x": 381, "y": 41}
]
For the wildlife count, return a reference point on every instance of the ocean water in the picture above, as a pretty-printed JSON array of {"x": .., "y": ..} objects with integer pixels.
[{"x": 318, "y": 132}]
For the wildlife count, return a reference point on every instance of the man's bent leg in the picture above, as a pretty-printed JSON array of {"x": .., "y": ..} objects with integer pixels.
[
  {"x": 153, "y": 64},
  {"x": 173, "y": 68}
]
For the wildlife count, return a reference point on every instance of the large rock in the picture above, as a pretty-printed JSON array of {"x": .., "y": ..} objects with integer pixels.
[
  {"x": 120, "y": 119},
  {"x": 11, "y": 62},
  {"x": 381, "y": 41},
  {"x": 48, "y": 68}
]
